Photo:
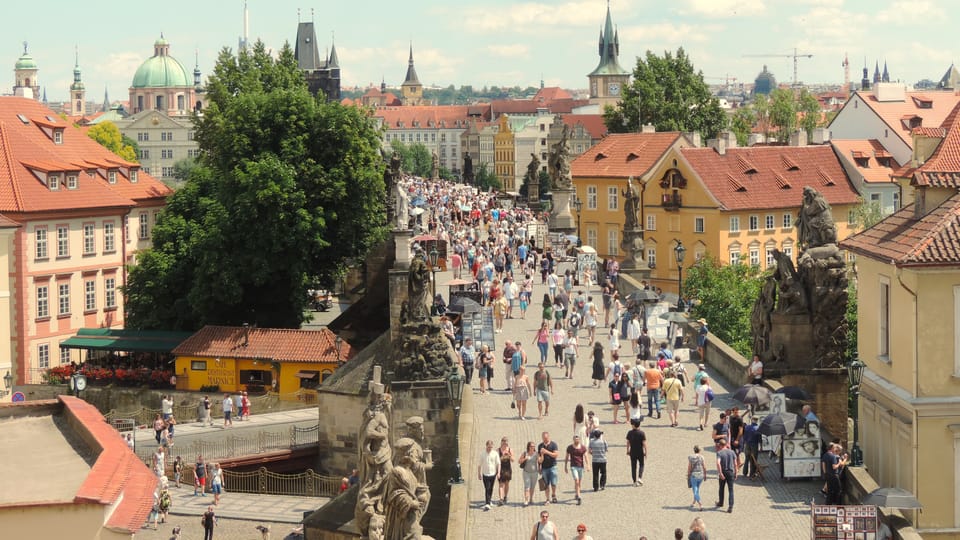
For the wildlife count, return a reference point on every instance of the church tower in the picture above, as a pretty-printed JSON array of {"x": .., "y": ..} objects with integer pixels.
[
  {"x": 78, "y": 99},
  {"x": 25, "y": 71},
  {"x": 608, "y": 79},
  {"x": 411, "y": 89}
]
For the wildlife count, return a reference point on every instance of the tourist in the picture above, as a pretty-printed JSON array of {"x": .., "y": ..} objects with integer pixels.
[
  {"x": 166, "y": 406},
  {"x": 625, "y": 377},
  {"x": 696, "y": 474},
  {"x": 467, "y": 356},
  {"x": 159, "y": 462},
  {"x": 619, "y": 393},
  {"x": 673, "y": 390},
  {"x": 209, "y": 521},
  {"x": 702, "y": 338},
  {"x": 598, "y": 375},
  {"x": 613, "y": 335},
  {"x": 580, "y": 423},
  {"x": 808, "y": 415},
  {"x": 548, "y": 452},
  {"x": 557, "y": 337},
  {"x": 543, "y": 386},
  {"x": 643, "y": 344},
  {"x": 614, "y": 367},
  {"x": 597, "y": 449},
  {"x": 227, "y": 410},
  {"x": 522, "y": 390},
  {"x": 547, "y": 309},
  {"x": 698, "y": 531},
  {"x": 245, "y": 406},
  {"x": 508, "y": 349},
  {"x": 736, "y": 430},
  {"x": 703, "y": 397},
  {"x": 590, "y": 317},
  {"x": 159, "y": 427},
  {"x": 238, "y": 406},
  {"x": 835, "y": 461},
  {"x": 751, "y": 446},
  {"x": 216, "y": 483},
  {"x": 727, "y": 464},
  {"x": 637, "y": 450},
  {"x": 574, "y": 458},
  {"x": 582, "y": 533},
  {"x": 486, "y": 365},
  {"x": 200, "y": 477},
  {"x": 654, "y": 380},
  {"x": 542, "y": 340},
  {"x": 205, "y": 418},
  {"x": 531, "y": 474},
  {"x": 699, "y": 375},
  {"x": 593, "y": 422},
  {"x": 518, "y": 359},
  {"x": 506, "y": 470},
  {"x": 721, "y": 430},
  {"x": 177, "y": 470},
  {"x": 545, "y": 529},
  {"x": 755, "y": 371},
  {"x": 488, "y": 469},
  {"x": 570, "y": 353}
]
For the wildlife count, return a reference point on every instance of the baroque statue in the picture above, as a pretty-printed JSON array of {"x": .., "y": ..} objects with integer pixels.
[
  {"x": 467, "y": 168},
  {"x": 417, "y": 305},
  {"x": 420, "y": 350},
  {"x": 404, "y": 500},
  {"x": 558, "y": 163},
  {"x": 376, "y": 462},
  {"x": 631, "y": 206},
  {"x": 815, "y": 226}
]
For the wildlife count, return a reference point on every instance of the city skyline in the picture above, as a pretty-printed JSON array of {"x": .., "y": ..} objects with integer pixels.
[{"x": 497, "y": 42}]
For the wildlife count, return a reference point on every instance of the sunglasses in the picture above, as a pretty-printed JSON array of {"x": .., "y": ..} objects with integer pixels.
[{"x": 581, "y": 530}]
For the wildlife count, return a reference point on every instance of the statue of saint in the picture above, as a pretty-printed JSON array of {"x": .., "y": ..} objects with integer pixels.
[
  {"x": 558, "y": 164},
  {"x": 434, "y": 166},
  {"x": 402, "y": 503},
  {"x": 375, "y": 461},
  {"x": 631, "y": 206},
  {"x": 418, "y": 291},
  {"x": 815, "y": 226},
  {"x": 467, "y": 168}
]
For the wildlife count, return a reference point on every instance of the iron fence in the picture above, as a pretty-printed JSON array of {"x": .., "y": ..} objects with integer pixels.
[{"x": 239, "y": 446}]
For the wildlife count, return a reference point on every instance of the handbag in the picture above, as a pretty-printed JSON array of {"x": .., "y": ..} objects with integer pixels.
[
  {"x": 709, "y": 395},
  {"x": 542, "y": 484},
  {"x": 513, "y": 404}
]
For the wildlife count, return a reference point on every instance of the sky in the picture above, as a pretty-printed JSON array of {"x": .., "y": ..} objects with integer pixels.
[{"x": 487, "y": 43}]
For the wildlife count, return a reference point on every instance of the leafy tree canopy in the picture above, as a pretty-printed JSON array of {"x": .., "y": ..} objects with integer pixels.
[
  {"x": 108, "y": 135},
  {"x": 667, "y": 93},
  {"x": 487, "y": 179},
  {"x": 288, "y": 186},
  {"x": 725, "y": 296},
  {"x": 416, "y": 158},
  {"x": 867, "y": 214}
]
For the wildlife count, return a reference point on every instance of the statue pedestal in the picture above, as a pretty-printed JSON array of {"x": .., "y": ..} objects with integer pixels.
[
  {"x": 634, "y": 258},
  {"x": 791, "y": 341},
  {"x": 401, "y": 245},
  {"x": 561, "y": 219}
]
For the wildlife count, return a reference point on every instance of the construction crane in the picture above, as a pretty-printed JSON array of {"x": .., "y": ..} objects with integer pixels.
[
  {"x": 795, "y": 56},
  {"x": 726, "y": 80}
]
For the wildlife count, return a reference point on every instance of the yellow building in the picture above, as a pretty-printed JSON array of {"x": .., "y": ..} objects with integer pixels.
[
  {"x": 908, "y": 333},
  {"x": 504, "y": 155},
  {"x": 243, "y": 358}
]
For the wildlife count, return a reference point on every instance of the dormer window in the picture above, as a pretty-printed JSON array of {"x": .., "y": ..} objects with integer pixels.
[
  {"x": 53, "y": 182},
  {"x": 112, "y": 177},
  {"x": 133, "y": 176},
  {"x": 71, "y": 181},
  {"x": 58, "y": 136}
]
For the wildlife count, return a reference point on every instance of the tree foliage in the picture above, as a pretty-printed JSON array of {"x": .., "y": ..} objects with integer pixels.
[
  {"x": 416, "y": 158},
  {"x": 783, "y": 113},
  {"x": 725, "y": 296},
  {"x": 486, "y": 179},
  {"x": 741, "y": 123},
  {"x": 866, "y": 214},
  {"x": 780, "y": 114},
  {"x": 288, "y": 186},
  {"x": 667, "y": 93},
  {"x": 108, "y": 135}
]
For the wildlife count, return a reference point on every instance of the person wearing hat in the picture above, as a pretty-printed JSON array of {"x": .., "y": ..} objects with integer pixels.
[
  {"x": 751, "y": 448},
  {"x": 702, "y": 337}
]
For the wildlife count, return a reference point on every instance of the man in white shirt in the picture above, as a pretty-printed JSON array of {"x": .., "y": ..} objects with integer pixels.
[
  {"x": 227, "y": 410},
  {"x": 487, "y": 471},
  {"x": 166, "y": 407}
]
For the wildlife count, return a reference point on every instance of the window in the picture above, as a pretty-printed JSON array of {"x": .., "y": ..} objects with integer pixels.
[
  {"x": 89, "y": 240},
  {"x": 109, "y": 238},
  {"x": 193, "y": 153},
  {"x": 110, "y": 292},
  {"x": 591, "y": 237},
  {"x": 787, "y": 220},
  {"x": 144, "y": 231},
  {"x": 591, "y": 197},
  {"x": 190, "y": 135},
  {"x": 166, "y": 172},
  {"x": 72, "y": 181},
  {"x": 884, "y": 334},
  {"x": 651, "y": 222},
  {"x": 40, "y": 237},
  {"x": 43, "y": 356},
  {"x": 112, "y": 177},
  {"x": 788, "y": 251},
  {"x": 166, "y": 153},
  {"x": 613, "y": 199},
  {"x": 198, "y": 365},
  {"x": 43, "y": 302},
  {"x": 652, "y": 257},
  {"x": 768, "y": 222},
  {"x": 754, "y": 256},
  {"x": 166, "y": 135},
  {"x": 734, "y": 224},
  {"x": 64, "y": 355},
  {"x": 58, "y": 136},
  {"x": 896, "y": 202},
  {"x": 133, "y": 176},
  {"x": 144, "y": 155},
  {"x": 754, "y": 223},
  {"x": 698, "y": 225},
  {"x": 63, "y": 241},
  {"x": 851, "y": 217},
  {"x": 63, "y": 298},
  {"x": 769, "y": 256},
  {"x": 143, "y": 136},
  {"x": 53, "y": 182},
  {"x": 735, "y": 256},
  {"x": 89, "y": 295},
  {"x": 613, "y": 242}
]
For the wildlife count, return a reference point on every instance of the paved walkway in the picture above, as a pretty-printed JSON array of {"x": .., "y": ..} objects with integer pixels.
[
  {"x": 771, "y": 509},
  {"x": 190, "y": 430},
  {"x": 249, "y": 506}
]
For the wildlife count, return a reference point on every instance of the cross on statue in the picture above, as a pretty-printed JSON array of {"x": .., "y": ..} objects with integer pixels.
[{"x": 375, "y": 385}]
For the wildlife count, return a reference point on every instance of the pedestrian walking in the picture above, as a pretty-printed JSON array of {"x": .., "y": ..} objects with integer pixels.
[
  {"x": 200, "y": 477},
  {"x": 543, "y": 386},
  {"x": 696, "y": 474},
  {"x": 673, "y": 391},
  {"x": 158, "y": 427},
  {"x": 522, "y": 389},
  {"x": 580, "y": 423},
  {"x": 619, "y": 393},
  {"x": 542, "y": 340},
  {"x": 159, "y": 462},
  {"x": 486, "y": 364},
  {"x": 721, "y": 430},
  {"x": 574, "y": 463},
  {"x": 582, "y": 533},
  {"x": 227, "y": 410},
  {"x": 548, "y": 451},
  {"x": 698, "y": 531},
  {"x": 597, "y": 448},
  {"x": 177, "y": 470},
  {"x": 654, "y": 380},
  {"x": 703, "y": 397},
  {"x": 245, "y": 407},
  {"x": 531, "y": 474},
  {"x": 643, "y": 345},
  {"x": 506, "y": 470},
  {"x": 637, "y": 450},
  {"x": 593, "y": 423},
  {"x": 238, "y": 406},
  {"x": 209, "y": 521},
  {"x": 557, "y": 337},
  {"x": 702, "y": 337},
  {"x": 598, "y": 368},
  {"x": 205, "y": 418},
  {"x": 467, "y": 356},
  {"x": 727, "y": 464},
  {"x": 487, "y": 471},
  {"x": 508, "y": 349},
  {"x": 166, "y": 406},
  {"x": 751, "y": 448},
  {"x": 570, "y": 353},
  {"x": 216, "y": 483},
  {"x": 545, "y": 529},
  {"x": 547, "y": 313}
]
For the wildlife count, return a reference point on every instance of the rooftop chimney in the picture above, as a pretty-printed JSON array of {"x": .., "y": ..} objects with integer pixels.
[
  {"x": 798, "y": 138},
  {"x": 648, "y": 128},
  {"x": 693, "y": 137}
]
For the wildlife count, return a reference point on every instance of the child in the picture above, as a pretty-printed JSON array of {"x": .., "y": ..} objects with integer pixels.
[{"x": 177, "y": 470}]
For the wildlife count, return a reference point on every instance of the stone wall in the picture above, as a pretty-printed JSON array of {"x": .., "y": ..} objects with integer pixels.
[
  {"x": 858, "y": 483},
  {"x": 829, "y": 390}
]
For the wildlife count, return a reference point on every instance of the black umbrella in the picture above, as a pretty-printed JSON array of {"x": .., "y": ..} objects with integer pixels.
[
  {"x": 643, "y": 295},
  {"x": 674, "y": 316},
  {"x": 892, "y": 498},
  {"x": 752, "y": 394},
  {"x": 794, "y": 392},
  {"x": 783, "y": 423},
  {"x": 462, "y": 304}
]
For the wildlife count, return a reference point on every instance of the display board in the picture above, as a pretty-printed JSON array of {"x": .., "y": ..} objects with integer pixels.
[
  {"x": 538, "y": 233},
  {"x": 801, "y": 452},
  {"x": 479, "y": 326},
  {"x": 843, "y": 522},
  {"x": 586, "y": 258},
  {"x": 778, "y": 403}
]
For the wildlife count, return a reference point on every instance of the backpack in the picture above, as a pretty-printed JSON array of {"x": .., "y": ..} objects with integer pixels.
[
  {"x": 164, "y": 501},
  {"x": 617, "y": 368},
  {"x": 575, "y": 320}
]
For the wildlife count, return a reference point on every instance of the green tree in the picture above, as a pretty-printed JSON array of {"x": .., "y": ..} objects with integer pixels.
[
  {"x": 486, "y": 179},
  {"x": 742, "y": 124},
  {"x": 866, "y": 214},
  {"x": 810, "y": 112},
  {"x": 416, "y": 158},
  {"x": 851, "y": 317},
  {"x": 667, "y": 93},
  {"x": 783, "y": 113},
  {"x": 724, "y": 296},
  {"x": 288, "y": 187},
  {"x": 108, "y": 135},
  {"x": 183, "y": 169}
]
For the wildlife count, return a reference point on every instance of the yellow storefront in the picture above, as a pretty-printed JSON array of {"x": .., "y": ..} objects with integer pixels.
[{"x": 232, "y": 359}]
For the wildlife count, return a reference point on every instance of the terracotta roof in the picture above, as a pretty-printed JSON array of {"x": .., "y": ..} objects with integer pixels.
[
  {"x": 892, "y": 112},
  {"x": 623, "y": 154},
  {"x": 27, "y": 152},
  {"x": 530, "y": 106},
  {"x": 593, "y": 123},
  {"x": 770, "y": 176},
  {"x": 933, "y": 240},
  {"x": 551, "y": 93},
  {"x": 423, "y": 116},
  {"x": 280, "y": 344},
  {"x": 865, "y": 155}
]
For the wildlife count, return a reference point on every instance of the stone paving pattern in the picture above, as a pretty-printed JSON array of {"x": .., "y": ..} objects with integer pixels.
[{"x": 772, "y": 509}]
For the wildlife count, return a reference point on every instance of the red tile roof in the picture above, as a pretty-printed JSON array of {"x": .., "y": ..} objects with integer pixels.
[
  {"x": 530, "y": 106},
  {"x": 942, "y": 168},
  {"x": 932, "y": 240},
  {"x": 892, "y": 112},
  {"x": 623, "y": 154},
  {"x": 280, "y": 344},
  {"x": 27, "y": 152},
  {"x": 763, "y": 177},
  {"x": 424, "y": 116},
  {"x": 593, "y": 123},
  {"x": 551, "y": 93},
  {"x": 863, "y": 154}
]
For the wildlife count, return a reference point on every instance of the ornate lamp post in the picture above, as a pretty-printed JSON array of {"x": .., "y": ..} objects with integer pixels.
[
  {"x": 434, "y": 260},
  {"x": 338, "y": 344},
  {"x": 578, "y": 205},
  {"x": 680, "y": 252},
  {"x": 7, "y": 383},
  {"x": 855, "y": 376},
  {"x": 455, "y": 388}
]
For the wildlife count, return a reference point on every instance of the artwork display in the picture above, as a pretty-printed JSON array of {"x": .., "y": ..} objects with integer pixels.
[
  {"x": 801, "y": 452},
  {"x": 843, "y": 522}
]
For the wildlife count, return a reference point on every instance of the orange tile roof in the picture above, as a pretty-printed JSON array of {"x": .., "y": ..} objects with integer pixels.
[
  {"x": 27, "y": 151},
  {"x": 892, "y": 112},
  {"x": 551, "y": 93},
  {"x": 863, "y": 154},
  {"x": 424, "y": 116},
  {"x": 280, "y": 344},
  {"x": 770, "y": 176},
  {"x": 620, "y": 155},
  {"x": 593, "y": 123},
  {"x": 942, "y": 168},
  {"x": 932, "y": 240}
]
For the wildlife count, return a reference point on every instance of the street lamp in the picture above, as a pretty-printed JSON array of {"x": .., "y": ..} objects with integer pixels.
[
  {"x": 338, "y": 344},
  {"x": 455, "y": 389},
  {"x": 578, "y": 204},
  {"x": 855, "y": 376},
  {"x": 7, "y": 383},
  {"x": 680, "y": 252},
  {"x": 434, "y": 260}
]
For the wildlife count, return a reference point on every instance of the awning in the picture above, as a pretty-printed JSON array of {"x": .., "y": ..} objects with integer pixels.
[
  {"x": 112, "y": 339},
  {"x": 307, "y": 374}
]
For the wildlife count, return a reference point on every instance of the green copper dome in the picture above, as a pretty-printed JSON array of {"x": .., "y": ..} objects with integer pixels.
[
  {"x": 26, "y": 62},
  {"x": 161, "y": 70}
]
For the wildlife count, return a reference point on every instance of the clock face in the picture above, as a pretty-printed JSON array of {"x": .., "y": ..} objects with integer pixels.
[
  {"x": 614, "y": 89},
  {"x": 81, "y": 382}
]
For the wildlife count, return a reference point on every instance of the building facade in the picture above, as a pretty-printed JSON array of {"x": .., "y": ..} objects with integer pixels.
[
  {"x": 608, "y": 79},
  {"x": 322, "y": 74},
  {"x": 504, "y": 155}
]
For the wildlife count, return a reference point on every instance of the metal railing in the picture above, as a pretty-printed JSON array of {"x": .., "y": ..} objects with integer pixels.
[
  {"x": 190, "y": 413},
  {"x": 262, "y": 481},
  {"x": 240, "y": 446}
]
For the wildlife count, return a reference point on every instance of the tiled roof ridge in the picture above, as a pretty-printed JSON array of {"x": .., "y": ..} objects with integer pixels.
[
  {"x": 951, "y": 212},
  {"x": 8, "y": 162}
]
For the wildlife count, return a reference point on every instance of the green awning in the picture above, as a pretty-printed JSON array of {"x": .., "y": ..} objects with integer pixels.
[{"x": 112, "y": 339}]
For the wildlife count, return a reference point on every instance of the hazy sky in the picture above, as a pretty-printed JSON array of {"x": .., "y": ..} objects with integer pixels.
[{"x": 491, "y": 42}]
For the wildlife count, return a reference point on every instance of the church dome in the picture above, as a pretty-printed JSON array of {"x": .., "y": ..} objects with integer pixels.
[
  {"x": 765, "y": 83},
  {"x": 161, "y": 70},
  {"x": 26, "y": 62}
]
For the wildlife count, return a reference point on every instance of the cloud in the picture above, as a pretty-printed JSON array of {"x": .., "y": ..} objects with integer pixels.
[
  {"x": 723, "y": 8},
  {"x": 367, "y": 65},
  {"x": 666, "y": 33},
  {"x": 909, "y": 11},
  {"x": 534, "y": 17},
  {"x": 119, "y": 65},
  {"x": 516, "y": 50}
]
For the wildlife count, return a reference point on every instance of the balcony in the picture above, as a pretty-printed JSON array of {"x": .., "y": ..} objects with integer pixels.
[{"x": 671, "y": 201}]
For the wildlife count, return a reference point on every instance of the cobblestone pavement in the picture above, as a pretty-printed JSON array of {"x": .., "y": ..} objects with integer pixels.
[{"x": 772, "y": 509}]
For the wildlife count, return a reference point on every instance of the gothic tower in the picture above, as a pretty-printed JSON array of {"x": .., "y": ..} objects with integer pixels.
[
  {"x": 25, "y": 71},
  {"x": 608, "y": 79},
  {"x": 78, "y": 99},
  {"x": 411, "y": 89}
]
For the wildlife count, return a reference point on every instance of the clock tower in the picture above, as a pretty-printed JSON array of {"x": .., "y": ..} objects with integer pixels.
[{"x": 608, "y": 80}]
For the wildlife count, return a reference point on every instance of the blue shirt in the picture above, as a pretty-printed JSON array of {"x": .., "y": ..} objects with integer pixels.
[
  {"x": 751, "y": 435},
  {"x": 467, "y": 354},
  {"x": 516, "y": 361}
]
